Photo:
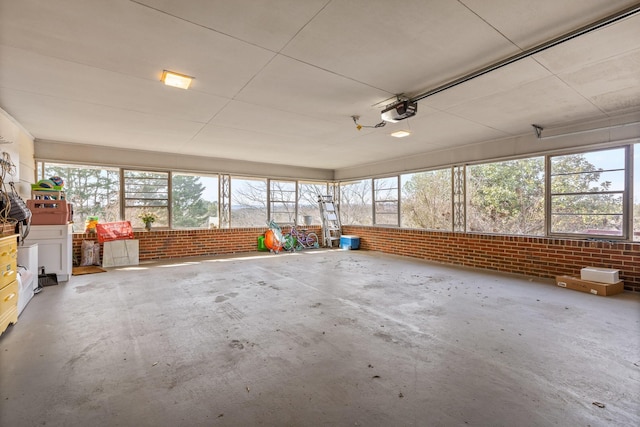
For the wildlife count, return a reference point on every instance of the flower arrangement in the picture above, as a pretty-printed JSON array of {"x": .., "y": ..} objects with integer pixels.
[{"x": 148, "y": 217}]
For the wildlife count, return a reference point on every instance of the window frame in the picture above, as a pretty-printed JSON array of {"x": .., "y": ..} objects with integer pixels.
[
  {"x": 625, "y": 193},
  {"x": 369, "y": 197},
  {"x": 124, "y": 207},
  {"x": 235, "y": 179},
  {"x": 629, "y": 202},
  {"x": 215, "y": 224},
  {"x": 377, "y": 204},
  {"x": 316, "y": 217},
  {"x": 634, "y": 191},
  {"x": 80, "y": 218},
  {"x": 468, "y": 188},
  {"x": 450, "y": 202},
  {"x": 272, "y": 212}
]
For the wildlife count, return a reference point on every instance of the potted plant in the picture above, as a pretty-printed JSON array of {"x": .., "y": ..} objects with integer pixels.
[{"x": 148, "y": 218}]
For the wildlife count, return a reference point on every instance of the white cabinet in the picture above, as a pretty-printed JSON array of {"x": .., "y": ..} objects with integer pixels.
[{"x": 55, "y": 246}]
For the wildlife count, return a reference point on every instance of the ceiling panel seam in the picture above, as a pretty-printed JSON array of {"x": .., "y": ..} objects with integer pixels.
[
  {"x": 489, "y": 24},
  {"x": 139, "y": 3},
  {"x": 302, "y": 27}
]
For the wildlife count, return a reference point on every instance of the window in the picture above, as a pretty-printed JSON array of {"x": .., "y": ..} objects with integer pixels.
[
  {"x": 355, "y": 203},
  {"x": 587, "y": 193},
  {"x": 308, "y": 193},
  {"x": 636, "y": 192},
  {"x": 386, "y": 201},
  {"x": 248, "y": 202},
  {"x": 282, "y": 196},
  {"x": 146, "y": 191},
  {"x": 93, "y": 191},
  {"x": 426, "y": 200},
  {"x": 194, "y": 201},
  {"x": 506, "y": 197}
]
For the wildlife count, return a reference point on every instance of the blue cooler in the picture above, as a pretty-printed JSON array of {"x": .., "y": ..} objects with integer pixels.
[{"x": 349, "y": 242}]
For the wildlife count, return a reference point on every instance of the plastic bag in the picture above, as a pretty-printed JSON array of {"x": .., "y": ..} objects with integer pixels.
[
  {"x": 90, "y": 224},
  {"x": 89, "y": 253}
]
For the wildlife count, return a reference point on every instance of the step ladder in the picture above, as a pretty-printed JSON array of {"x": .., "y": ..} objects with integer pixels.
[{"x": 331, "y": 229}]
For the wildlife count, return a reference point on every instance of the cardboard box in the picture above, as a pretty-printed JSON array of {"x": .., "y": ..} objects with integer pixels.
[
  {"x": 603, "y": 289},
  {"x": 601, "y": 275}
]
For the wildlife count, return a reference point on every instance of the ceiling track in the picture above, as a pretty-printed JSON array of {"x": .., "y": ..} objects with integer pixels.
[{"x": 626, "y": 13}]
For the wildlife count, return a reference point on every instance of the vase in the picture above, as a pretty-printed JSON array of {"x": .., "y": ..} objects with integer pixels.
[{"x": 147, "y": 225}]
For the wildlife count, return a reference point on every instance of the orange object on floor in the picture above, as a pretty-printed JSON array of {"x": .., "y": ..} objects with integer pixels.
[{"x": 271, "y": 241}]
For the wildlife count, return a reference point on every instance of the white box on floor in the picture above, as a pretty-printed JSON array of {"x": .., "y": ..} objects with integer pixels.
[{"x": 601, "y": 275}]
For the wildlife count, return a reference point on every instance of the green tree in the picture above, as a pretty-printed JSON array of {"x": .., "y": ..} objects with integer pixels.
[
  {"x": 426, "y": 200},
  {"x": 91, "y": 192},
  {"x": 506, "y": 197},
  {"x": 189, "y": 209}
]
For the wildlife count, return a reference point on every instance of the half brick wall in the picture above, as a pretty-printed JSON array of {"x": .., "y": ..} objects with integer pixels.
[
  {"x": 531, "y": 256},
  {"x": 165, "y": 244}
]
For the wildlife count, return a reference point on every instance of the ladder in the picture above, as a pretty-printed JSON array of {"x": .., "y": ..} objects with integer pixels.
[{"x": 331, "y": 229}]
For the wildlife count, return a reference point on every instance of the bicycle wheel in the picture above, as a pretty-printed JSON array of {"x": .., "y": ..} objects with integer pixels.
[
  {"x": 312, "y": 240},
  {"x": 289, "y": 243}
]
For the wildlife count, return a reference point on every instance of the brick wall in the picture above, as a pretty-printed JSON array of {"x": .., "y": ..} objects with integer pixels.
[
  {"x": 165, "y": 244},
  {"x": 531, "y": 256}
]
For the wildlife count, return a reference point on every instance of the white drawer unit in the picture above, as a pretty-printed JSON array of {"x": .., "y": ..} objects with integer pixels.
[{"x": 55, "y": 246}]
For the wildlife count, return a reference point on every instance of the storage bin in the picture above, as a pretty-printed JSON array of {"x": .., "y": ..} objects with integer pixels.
[
  {"x": 37, "y": 187},
  {"x": 602, "y": 275},
  {"x": 48, "y": 212},
  {"x": 349, "y": 242}
]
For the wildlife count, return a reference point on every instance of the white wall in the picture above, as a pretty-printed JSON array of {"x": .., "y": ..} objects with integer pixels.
[{"x": 18, "y": 143}]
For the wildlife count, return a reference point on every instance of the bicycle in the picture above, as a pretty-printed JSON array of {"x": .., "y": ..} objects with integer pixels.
[{"x": 296, "y": 240}]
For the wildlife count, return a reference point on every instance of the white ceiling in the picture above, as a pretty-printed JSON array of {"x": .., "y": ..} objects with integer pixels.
[{"x": 278, "y": 81}]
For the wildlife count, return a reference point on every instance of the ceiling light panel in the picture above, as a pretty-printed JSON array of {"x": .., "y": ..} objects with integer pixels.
[
  {"x": 181, "y": 81},
  {"x": 401, "y": 133}
]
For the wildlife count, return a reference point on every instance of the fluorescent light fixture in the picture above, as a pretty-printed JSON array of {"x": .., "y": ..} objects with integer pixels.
[
  {"x": 176, "y": 79},
  {"x": 401, "y": 133}
]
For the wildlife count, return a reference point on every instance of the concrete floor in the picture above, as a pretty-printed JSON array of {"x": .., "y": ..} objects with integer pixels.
[{"x": 340, "y": 338}]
